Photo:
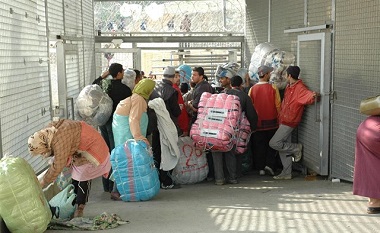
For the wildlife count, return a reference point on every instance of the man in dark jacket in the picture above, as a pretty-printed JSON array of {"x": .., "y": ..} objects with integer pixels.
[
  {"x": 117, "y": 91},
  {"x": 166, "y": 91},
  {"x": 230, "y": 158},
  {"x": 201, "y": 85}
]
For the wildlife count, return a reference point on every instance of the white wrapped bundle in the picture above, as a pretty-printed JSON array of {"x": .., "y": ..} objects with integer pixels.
[
  {"x": 23, "y": 205},
  {"x": 192, "y": 165},
  {"x": 129, "y": 78},
  {"x": 267, "y": 54},
  {"x": 93, "y": 105}
]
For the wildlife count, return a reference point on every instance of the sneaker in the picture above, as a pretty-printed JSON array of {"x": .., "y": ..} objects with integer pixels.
[
  {"x": 232, "y": 182},
  {"x": 298, "y": 155},
  {"x": 269, "y": 170},
  {"x": 219, "y": 182},
  {"x": 171, "y": 186},
  {"x": 283, "y": 177},
  {"x": 262, "y": 173}
]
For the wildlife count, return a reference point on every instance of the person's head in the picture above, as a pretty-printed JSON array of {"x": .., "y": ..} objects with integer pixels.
[
  {"x": 184, "y": 88},
  {"x": 264, "y": 72},
  {"x": 169, "y": 73},
  {"x": 224, "y": 78},
  {"x": 293, "y": 72},
  {"x": 197, "y": 75},
  {"x": 138, "y": 76},
  {"x": 144, "y": 88},
  {"x": 40, "y": 142},
  {"x": 116, "y": 71},
  {"x": 177, "y": 79},
  {"x": 236, "y": 81}
]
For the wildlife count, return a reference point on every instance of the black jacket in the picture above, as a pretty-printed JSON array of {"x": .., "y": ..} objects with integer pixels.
[{"x": 166, "y": 91}]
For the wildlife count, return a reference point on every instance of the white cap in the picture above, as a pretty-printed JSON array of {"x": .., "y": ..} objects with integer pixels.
[{"x": 169, "y": 71}]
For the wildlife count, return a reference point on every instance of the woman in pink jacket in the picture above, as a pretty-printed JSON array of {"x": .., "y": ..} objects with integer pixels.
[{"x": 76, "y": 145}]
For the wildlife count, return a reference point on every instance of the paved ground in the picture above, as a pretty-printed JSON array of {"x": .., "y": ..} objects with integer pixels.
[{"x": 256, "y": 204}]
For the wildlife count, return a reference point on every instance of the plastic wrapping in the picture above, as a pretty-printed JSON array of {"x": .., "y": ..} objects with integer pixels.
[
  {"x": 217, "y": 122},
  {"x": 23, "y": 205},
  {"x": 185, "y": 73},
  {"x": 93, "y": 105},
  {"x": 192, "y": 166},
  {"x": 129, "y": 78},
  {"x": 370, "y": 106},
  {"x": 135, "y": 175},
  {"x": 243, "y": 135},
  {"x": 269, "y": 55}
]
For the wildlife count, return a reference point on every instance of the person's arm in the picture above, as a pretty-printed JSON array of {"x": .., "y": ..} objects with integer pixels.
[
  {"x": 277, "y": 99},
  {"x": 173, "y": 104},
  {"x": 251, "y": 114},
  {"x": 306, "y": 96},
  {"x": 138, "y": 107},
  {"x": 101, "y": 77},
  {"x": 61, "y": 155}
]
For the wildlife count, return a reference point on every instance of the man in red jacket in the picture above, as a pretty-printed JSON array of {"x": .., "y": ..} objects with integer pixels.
[
  {"x": 295, "y": 98},
  {"x": 267, "y": 101}
]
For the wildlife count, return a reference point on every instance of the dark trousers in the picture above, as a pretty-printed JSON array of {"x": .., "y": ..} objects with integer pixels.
[
  {"x": 107, "y": 134},
  {"x": 263, "y": 154},
  {"x": 82, "y": 190},
  {"x": 164, "y": 176}
]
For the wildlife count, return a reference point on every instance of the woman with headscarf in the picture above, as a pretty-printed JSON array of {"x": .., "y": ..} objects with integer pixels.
[
  {"x": 130, "y": 120},
  {"x": 73, "y": 144}
]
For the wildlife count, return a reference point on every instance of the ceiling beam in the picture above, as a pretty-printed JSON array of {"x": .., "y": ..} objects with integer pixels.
[{"x": 169, "y": 39}]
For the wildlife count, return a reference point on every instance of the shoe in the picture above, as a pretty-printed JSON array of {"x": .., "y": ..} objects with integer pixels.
[
  {"x": 210, "y": 178},
  {"x": 219, "y": 182},
  {"x": 79, "y": 211},
  {"x": 115, "y": 196},
  {"x": 373, "y": 210},
  {"x": 298, "y": 155},
  {"x": 171, "y": 186},
  {"x": 262, "y": 173},
  {"x": 269, "y": 170},
  {"x": 232, "y": 182},
  {"x": 283, "y": 177}
]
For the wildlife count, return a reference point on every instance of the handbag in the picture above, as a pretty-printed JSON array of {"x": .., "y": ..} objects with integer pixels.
[{"x": 63, "y": 202}]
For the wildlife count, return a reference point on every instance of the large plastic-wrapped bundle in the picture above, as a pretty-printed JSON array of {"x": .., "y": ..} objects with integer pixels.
[
  {"x": 192, "y": 166},
  {"x": 228, "y": 70},
  {"x": 184, "y": 73},
  {"x": 217, "y": 122},
  {"x": 23, "y": 205},
  {"x": 135, "y": 175},
  {"x": 129, "y": 78},
  {"x": 243, "y": 135},
  {"x": 93, "y": 105},
  {"x": 269, "y": 55}
]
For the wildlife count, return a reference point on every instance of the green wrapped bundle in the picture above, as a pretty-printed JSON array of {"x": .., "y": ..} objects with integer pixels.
[{"x": 23, "y": 205}]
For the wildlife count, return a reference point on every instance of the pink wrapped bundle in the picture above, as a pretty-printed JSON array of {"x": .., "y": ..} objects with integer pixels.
[
  {"x": 217, "y": 122},
  {"x": 243, "y": 135}
]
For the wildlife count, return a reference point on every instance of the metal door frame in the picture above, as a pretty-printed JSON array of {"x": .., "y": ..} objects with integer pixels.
[{"x": 324, "y": 104}]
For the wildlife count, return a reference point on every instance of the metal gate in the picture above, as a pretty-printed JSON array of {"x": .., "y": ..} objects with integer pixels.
[{"x": 314, "y": 59}]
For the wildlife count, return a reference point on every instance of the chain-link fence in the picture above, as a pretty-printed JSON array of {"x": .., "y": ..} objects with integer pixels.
[{"x": 173, "y": 16}]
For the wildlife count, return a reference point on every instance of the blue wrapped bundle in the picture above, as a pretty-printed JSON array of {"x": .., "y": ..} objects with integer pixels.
[{"x": 135, "y": 175}]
